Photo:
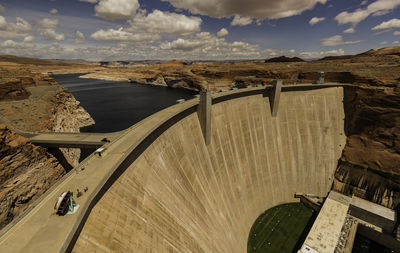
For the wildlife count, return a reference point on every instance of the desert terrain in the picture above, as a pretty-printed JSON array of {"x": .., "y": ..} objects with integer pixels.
[
  {"x": 31, "y": 100},
  {"x": 374, "y": 68}
]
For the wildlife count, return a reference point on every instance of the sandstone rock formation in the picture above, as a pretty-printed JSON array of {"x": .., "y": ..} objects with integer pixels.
[
  {"x": 27, "y": 171},
  {"x": 69, "y": 116},
  {"x": 33, "y": 102},
  {"x": 370, "y": 164},
  {"x": 377, "y": 67}
]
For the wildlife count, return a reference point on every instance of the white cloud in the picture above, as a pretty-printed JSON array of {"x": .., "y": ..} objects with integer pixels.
[
  {"x": 47, "y": 23},
  {"x": 53, "y": 11},
  {"x": 116, "y": 9},
  {"x": 393, "y": 23},
  {"x": 47, "y": 28},
  {"x": 29, "y": 38},
  {"x": 379, "y": 7},
  {"x": 241, "y": 21},
  {"x": 396, "y": 33},
  {"x": 3, "y": 23},
  {"x": 164, "y": 22},
  {"x": 150, "y": 27},
  {"x": 205, "y": 45},
  {"x": 315, "y": 55},
  {"x": 12, "y": 44},
  {"x": 382, "y": 32},
  {"x": 350, "y": 30},
  {"x": 50, "y": 34},
  {"x": 381, "y": 13},
  {"x": 55, "y": 50},
  {"x": 396, "y": 42},
  {"x": 79, "y": 37},
  {"x": 182, "y": 44},
  {"x": 2, "y": 9},
  {"x": 223, "y": 32},
  {"x": 364, "y": 2},
  {"x": 122, "y": 35},
  {"x": 353, "y": 18},
  {"x": 21, "y": 25},
  {"x": 383, "y": 43},
  {"x": 89, "y": 1},
  {"x": 260, "y": 9},
  {"x": 336, "y": 40},
  {"x": 315, "y": 20},
  {"x": 10, "y": 30}
]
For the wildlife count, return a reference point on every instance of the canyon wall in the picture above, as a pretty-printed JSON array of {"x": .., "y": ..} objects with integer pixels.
[
  {"x": 27, "y": 171},
  {"x": 69, "y": 116},
  {"x": 33, "y": 102},
  {"x": 370, "y": 164}
]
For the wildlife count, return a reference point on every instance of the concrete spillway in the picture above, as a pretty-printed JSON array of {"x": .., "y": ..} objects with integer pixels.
[{"x": 179, "y": 195}]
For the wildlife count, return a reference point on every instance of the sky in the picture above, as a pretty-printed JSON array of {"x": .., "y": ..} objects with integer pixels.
[{"x": 106, "y": 30}]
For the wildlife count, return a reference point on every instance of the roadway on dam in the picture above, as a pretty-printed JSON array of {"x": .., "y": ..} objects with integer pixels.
[
  {"x": 73, "y": 140},
  {"x": 158, "y": 186},
  {"x": 63, "y": 139}
]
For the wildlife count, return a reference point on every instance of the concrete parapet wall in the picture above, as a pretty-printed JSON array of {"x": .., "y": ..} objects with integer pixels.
[
  {"x": 180, "y": 195},
  {"x": 375, "y": 214}
]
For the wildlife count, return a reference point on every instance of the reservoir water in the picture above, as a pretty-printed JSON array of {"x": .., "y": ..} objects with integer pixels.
[{"x": 118, "y": 105}]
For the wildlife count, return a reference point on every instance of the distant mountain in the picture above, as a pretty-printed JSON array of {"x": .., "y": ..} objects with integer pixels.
[
  {"x": 27, "y": 60},
  {"x": 134, "y": 63},
  {"x": 176, "y": 63},
  {"x": 339, "y": 57},
  {"x": 75, "y": 61},
  {"x": 382, "y": 51},
  {"x": 372, "y": 52},
  {"x": 284, "y": 59}
]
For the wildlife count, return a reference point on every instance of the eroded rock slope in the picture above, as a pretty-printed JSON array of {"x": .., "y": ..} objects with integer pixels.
[
  {"x": 27, "y": 171},
  {"x": 33, "y": 102}
]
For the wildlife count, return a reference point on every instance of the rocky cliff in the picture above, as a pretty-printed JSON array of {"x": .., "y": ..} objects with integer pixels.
[
  {"x": 33, "y": 102},
  {"x": 27, "y": 171},
  {"x": 370, "y": 163},
  {"x": 69, "y": 116}
]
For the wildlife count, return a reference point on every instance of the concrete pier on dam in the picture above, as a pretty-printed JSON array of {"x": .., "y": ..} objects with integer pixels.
[{"x": 161, "y": 186}]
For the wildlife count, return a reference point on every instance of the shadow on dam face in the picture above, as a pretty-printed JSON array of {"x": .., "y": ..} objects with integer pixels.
[{"x": 179, "y": 195}]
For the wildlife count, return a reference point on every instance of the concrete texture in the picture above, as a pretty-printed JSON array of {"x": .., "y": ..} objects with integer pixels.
[
  {"x": 341, "y": 217},
  {"x": 182, "y": 196},
  {"x": 275, "y": 96},
  {"x": 73, "y": 140},
  {"x": 159, "y": 188},
  {"x": 374, "y": 214},
  {"x": 204, "y": 113},
  {"x": 324, "y": 234}
]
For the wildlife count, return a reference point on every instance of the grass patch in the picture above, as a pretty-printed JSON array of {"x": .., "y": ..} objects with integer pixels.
[{"x": 280, "y": 229}]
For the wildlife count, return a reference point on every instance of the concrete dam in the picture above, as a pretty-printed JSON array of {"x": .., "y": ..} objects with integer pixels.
[{"x": 162, "y": 186}]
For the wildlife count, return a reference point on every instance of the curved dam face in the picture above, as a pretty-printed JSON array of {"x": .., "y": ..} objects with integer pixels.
[{"x": 181, "y": 195}]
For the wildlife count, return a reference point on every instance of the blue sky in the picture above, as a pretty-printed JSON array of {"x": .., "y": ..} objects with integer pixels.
[{"x": 191, "y": 30}]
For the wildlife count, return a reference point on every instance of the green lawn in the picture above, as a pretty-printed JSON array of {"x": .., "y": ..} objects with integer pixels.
[{"x": 280, "y": 229}]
